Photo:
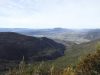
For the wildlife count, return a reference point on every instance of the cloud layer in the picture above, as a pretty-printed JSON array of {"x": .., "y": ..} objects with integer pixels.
[{"x": 50, "y": 13}]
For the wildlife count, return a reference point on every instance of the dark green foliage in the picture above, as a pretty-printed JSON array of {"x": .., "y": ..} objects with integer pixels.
[
  {"x": 14, "y": 46},
  {"x": 89, "y": 65}
]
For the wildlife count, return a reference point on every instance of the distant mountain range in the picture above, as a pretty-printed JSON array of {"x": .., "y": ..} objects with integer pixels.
[
  {"x": 76, "y": 36},
  {"x": 35, "y": 31}
]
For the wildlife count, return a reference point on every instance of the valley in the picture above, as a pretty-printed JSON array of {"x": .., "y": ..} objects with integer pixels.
[{"x": 57, "y": 46}]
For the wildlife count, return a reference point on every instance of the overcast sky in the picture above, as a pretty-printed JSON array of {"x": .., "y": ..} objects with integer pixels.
[{"x": 50, "y": 13}]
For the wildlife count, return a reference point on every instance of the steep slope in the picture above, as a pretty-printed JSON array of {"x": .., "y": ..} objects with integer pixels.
[
  {"x": 75, "y": 52},
  {"x": 14, "y": 46}
]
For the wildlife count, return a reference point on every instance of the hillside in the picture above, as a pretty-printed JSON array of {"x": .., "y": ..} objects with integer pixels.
[
  {"x": 93, "y": 34},
  {"x": 72, "y": 58},
  {"x": 14, "y": 46},
  {"x": 75, "y": 52},
  {"x": 89, "y": 65}
]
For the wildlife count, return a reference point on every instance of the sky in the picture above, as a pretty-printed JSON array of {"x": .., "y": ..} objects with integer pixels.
[{"x": 73, "y": 14}]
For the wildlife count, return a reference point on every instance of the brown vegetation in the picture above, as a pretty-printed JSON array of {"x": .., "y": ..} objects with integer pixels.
[{"x": 89, "y": 65}]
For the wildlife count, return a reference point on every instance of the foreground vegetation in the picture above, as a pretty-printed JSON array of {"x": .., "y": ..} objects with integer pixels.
[{"x": 89, "y": 65}]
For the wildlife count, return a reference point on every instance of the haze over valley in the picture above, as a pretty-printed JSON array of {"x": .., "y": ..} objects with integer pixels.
[{"x": 49, "y": 37}]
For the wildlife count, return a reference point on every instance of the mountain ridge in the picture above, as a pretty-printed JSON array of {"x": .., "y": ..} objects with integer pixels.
[{"x": 14, "y": 46}]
